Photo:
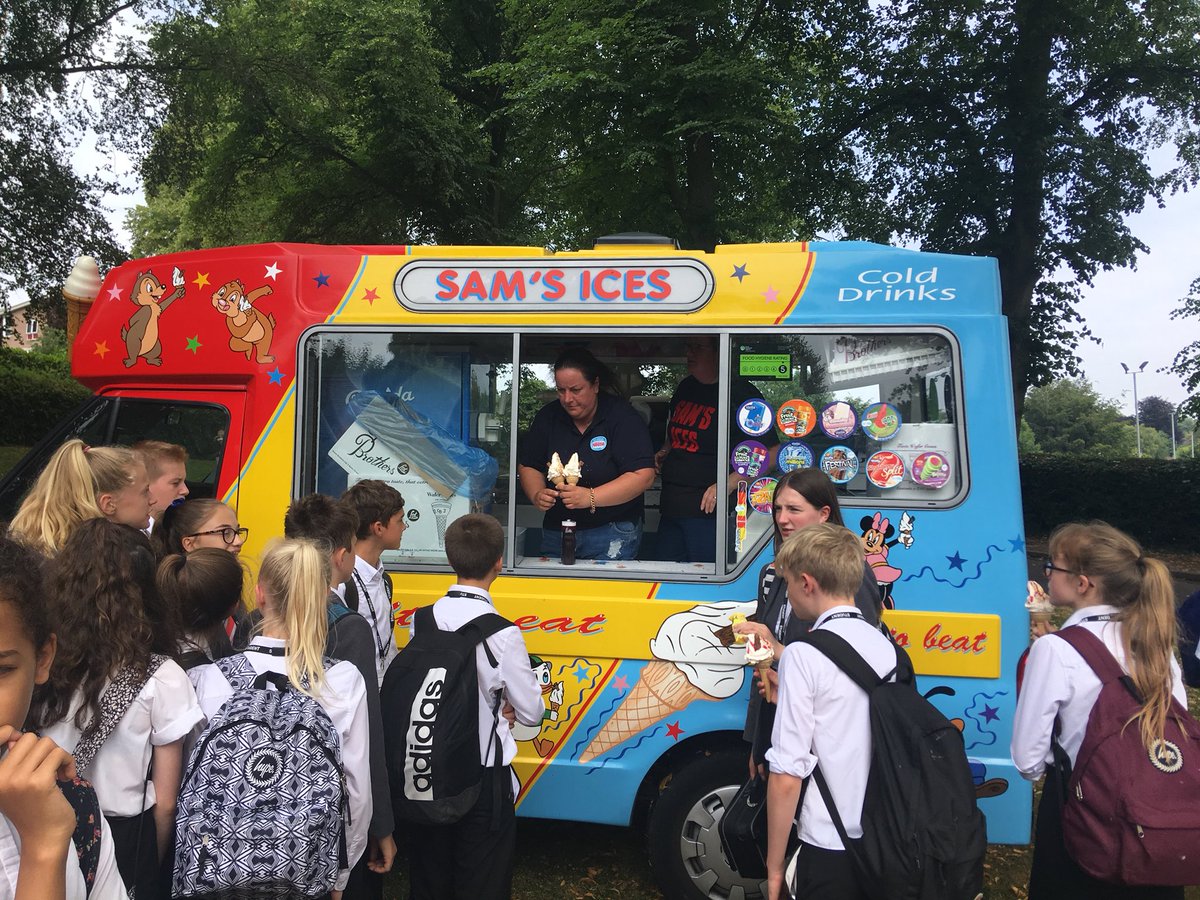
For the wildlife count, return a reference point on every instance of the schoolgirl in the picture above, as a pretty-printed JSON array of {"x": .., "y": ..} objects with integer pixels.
[
  {"x": 292, "y": 592},
  {"x": 204, "y": 588},
  {"x": 48, "y": 849},
  {"x": 194, "y": 524},
  {"x": 1127, "y": 600},
  {"x": 108, "y": 676},
  {"x": 803, "y": 497},
  {"x": 79, "y": 483}
]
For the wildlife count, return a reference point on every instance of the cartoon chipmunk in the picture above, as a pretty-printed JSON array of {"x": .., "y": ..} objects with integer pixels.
[
  {"x": 250, "y": 330},
  {"x": 140, "y": 333}
]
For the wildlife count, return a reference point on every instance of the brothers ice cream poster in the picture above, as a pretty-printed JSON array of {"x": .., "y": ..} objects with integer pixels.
[{"x": 429, "y": 506}]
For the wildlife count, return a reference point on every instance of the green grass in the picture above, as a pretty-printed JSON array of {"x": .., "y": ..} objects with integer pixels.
[{"x": 10, "y": 455}]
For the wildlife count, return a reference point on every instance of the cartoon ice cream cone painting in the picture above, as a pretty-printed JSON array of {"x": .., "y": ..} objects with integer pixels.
[
  {"x": 441, "y": 512},
  {"x": 693, "y": 663}
]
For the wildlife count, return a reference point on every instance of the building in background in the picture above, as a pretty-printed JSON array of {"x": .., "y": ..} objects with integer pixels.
[{"x": 18, "y": 326}]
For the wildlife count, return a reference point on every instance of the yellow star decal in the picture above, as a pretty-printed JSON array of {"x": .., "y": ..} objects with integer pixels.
[
  {"x": 201, "y": 279},
  {"x": 101, "y": 348}
]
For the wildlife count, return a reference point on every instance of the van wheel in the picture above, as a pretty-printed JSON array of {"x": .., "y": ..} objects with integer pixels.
[{"x": 681, "y": 832}]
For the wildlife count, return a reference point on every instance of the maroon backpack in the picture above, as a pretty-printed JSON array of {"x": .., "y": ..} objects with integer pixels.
[{"x": 1132, "y": 815}]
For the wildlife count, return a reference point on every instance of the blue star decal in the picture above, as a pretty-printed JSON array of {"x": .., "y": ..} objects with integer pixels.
[
  {"x": 956, "y": 561},
  {"x": 581, "y": 672},
  {"x": 276, "y": 376},
  {"x": 991, "y": 713},
  {"x": 1018, "y": 544},
  {"x": 322, "y": 280},
  {"x": 739, "y": 272}
]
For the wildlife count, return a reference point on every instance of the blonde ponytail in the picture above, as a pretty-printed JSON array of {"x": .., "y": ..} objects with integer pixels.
[
  {"x": 63, "y": 496},
  {"x": 1140, "y": 587},
  {"x": 296, "y": 574}
]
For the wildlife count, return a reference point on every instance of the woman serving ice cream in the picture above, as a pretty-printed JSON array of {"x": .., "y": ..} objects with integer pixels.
[{"x": 593, "y": 428}]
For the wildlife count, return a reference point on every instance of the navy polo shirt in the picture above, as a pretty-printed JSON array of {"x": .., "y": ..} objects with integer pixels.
[{"x": 616, "y": 442}]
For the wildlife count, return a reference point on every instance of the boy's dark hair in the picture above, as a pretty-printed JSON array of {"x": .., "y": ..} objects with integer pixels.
[
  {"x": 373, "y": 501},
  {"x": 21, "y": 584},
  {"x": 473, "y": 544},
  {"x": 328, "y": 523}
]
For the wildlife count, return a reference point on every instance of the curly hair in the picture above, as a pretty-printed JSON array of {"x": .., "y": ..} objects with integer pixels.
[
  {"x": 21, "y": 584},
  {"x": 108, "y": 615}
]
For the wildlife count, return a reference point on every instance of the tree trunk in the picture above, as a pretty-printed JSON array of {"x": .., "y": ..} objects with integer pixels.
[{"x": 1029, "y": 130}]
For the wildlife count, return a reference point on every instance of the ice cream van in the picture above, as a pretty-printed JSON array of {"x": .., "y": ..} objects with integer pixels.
[{"x": 287, "y": 368}]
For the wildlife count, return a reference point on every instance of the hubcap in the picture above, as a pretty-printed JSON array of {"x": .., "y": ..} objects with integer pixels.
[{"x": 704, "y": 860}]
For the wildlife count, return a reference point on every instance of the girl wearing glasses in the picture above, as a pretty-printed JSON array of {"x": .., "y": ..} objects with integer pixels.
[
  {"x": 194, "y": 524},
  {"x": 1127, "y": 600}
]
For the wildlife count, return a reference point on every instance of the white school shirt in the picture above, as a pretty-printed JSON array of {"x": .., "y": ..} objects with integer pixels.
[
  {"x": 343, "y": 696},
  {"x": 824, "y": 716},
  {"x": 165, "y": 711},
  {"x": 512, "y": 675},
  {"x": 107, "y": 885},
  {"x": 376, "y": 608},
  {"x": 1058, "y": 683}
]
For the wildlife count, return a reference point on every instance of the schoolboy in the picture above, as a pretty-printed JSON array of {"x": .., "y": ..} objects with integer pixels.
[
  {"x": 331, "y": 525},
  {"x": 823, "y": 717},
  {"x": 472, "y": 859},
  {"x": 380, "y": 509},
  {"x": 166, "y": 465}
]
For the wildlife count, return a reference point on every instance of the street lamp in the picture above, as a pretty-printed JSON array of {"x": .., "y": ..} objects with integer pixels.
[{"x": 1137, "y": 414}]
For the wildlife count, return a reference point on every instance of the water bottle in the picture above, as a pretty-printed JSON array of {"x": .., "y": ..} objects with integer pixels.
[{"x": 568, "y": 542}]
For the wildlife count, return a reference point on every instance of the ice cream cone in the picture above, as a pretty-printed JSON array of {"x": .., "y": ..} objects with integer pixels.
[
  {"x": 572, "y": 479},
  {"x": 558, "y": 481},
  {"x": 767, "y": 686},
  {"x": 661, "y": 690}
]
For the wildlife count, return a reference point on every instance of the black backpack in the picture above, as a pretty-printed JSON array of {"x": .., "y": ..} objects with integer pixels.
[
  {"x": 923, "y": 838},
  {"x": 430, "y": 704}
]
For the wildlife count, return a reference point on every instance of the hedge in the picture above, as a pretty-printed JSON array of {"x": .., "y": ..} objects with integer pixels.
[
  {"x": 35, "y": 392},
  {"x": 1154, "y": 500}
]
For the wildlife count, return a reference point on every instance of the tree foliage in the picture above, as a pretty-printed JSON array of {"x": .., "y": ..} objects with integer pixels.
[
  {"x": 1187, "y": 361},
  {"x": 48, "y": 213},
  {"x": 1068, "y": 416},
  {"x": 1155, "y": 412}
]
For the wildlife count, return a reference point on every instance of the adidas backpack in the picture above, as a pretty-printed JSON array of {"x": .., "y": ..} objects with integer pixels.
[
  {"x": 262, "y": 805},
  {"x": 1131, "y": 816},
  {"x": 923, "y": 837},
  {"x": 430, "y": 704}
]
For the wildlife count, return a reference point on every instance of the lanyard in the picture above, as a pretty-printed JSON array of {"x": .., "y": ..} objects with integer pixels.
[
  {"x": 843, "y": 615},
  {"x": 270, "y": 651},
  {"x": 1099, "y": 617},
  {"x": 468, "y": 595},
  {"x": 380, "y": 643}
]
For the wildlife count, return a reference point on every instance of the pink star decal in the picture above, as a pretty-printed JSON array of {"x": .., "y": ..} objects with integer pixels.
[
  {"x": 770, "y": 295},
  {"x": 621, "y": 683},
  {"x": 114, "y": 293},
  {"x": 674, "y": 731},
  {"x": 371, "y": 296}
]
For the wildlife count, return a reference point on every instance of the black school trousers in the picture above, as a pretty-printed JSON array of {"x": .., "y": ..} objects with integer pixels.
[
  {"x": 135, "y": 846},
  {"x": 471, "y": 859},
  {"x": 1054, "y": 875},
  {"x": 825, "y": 875}
]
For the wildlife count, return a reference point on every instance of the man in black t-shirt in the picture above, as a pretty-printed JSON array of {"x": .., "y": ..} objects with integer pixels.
[{"x": 688, "y": 461}]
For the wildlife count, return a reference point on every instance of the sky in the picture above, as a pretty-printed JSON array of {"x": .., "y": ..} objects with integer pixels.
[{"x": 1128, "y": 310}]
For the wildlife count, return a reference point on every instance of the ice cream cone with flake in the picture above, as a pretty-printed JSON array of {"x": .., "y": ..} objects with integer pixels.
[
  {"x": 662, "y": 689},
  {"x": 554, "y": 471},
  {"x": 573, "y": 469}
]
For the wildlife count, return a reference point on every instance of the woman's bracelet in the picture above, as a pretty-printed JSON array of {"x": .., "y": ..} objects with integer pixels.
[{"x": 592, "y": 495}]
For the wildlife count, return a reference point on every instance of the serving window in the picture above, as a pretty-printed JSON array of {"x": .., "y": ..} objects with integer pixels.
[{"x": 441, "y": 416}]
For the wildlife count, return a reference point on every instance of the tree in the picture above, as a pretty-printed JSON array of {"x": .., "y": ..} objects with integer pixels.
[
  {"x": 310, "y": 122},
  {"x": 1187, "y": 361},
  {"x": 1068, "y": 416},
  {"x": 48, "y": 214},
  {"x": 1155, "y": 412},
  {"x": 1020, "y": 129}
]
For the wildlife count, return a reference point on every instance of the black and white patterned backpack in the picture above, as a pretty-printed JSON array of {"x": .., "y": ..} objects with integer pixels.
[{"x": 262, "y": 805}]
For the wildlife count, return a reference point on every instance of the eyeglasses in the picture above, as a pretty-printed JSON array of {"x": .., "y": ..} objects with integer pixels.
[
  {"x": 228, "y": 535},
  {"x": 1048, "y": 567}
]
